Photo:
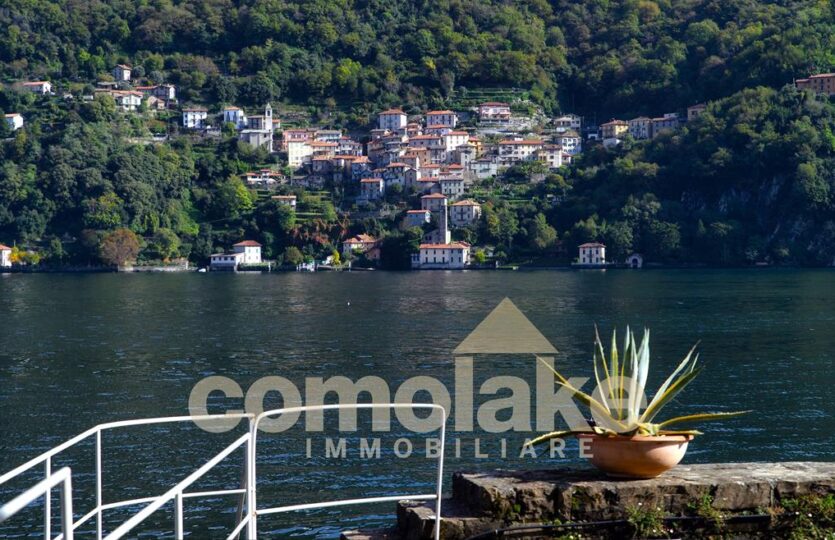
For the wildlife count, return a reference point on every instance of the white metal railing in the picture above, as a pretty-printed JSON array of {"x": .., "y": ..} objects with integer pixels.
[
  {"x": 177, "y": 493},
  {"x": 44, "y": 487}
]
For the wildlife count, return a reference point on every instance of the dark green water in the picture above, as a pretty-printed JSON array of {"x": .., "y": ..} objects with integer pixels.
[{"x": 77, "y": 350}]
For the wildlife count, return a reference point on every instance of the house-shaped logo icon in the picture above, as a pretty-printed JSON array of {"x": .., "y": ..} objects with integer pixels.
[{"x": 505, "y": 330}]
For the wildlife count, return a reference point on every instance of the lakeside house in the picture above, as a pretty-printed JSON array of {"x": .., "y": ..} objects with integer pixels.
[
  {"x": 362, "y": 244},
  {"x": 448, "y": 256},
  {"x": 5, "y": 256},
  {"x": 592, "y": 254},
  {"x": 14, "y": 121},
  {"x": 246, "y": 252}
]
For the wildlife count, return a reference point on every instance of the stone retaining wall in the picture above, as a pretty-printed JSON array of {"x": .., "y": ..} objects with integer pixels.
[{"x": 744, "y": 499}]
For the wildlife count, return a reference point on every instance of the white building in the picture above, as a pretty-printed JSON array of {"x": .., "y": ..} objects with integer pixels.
[
  {"x": 464, "y": 213},
  {"x": 14, "y": 120},
  {"x": 298, "y": 153},
  {"x": 568, "y": 122},
  {"x": 5, "y": 256},
  {"x": 391, "y": 119},
  {"x": 551, "y": 155},
  {"x": 285, "y": 200},
  {"x": 194, "y": 118},
  {"x": 441, "y": 118},
  {"x": 514, "y": 151},
  {"x": 570, "y": 141},
  {"x": 127, "y": 100},
  {"x": 592, "y": 253},
  {"x": 260, "y": 129},
  {"x": 226, "y": 261},
  {"x": 494, "y": 112},
  {"x": 122, "y": 73},
  {"x": 234, "y": 115},
  {"x": 251, "y": 251},
  {"x": 484, "y": 168},
  {"x": 443, "y": 256},
  {"x": 38, "y": 87},
  {"x": 451, "y": 186},
  {"x": 246, "y": 252}
]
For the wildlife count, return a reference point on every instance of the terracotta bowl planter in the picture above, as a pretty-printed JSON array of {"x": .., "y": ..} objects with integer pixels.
[{"x": 638, "y": 456}]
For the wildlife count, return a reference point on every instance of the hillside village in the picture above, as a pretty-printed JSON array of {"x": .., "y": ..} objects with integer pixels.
[{"x": 427, "y": 169}]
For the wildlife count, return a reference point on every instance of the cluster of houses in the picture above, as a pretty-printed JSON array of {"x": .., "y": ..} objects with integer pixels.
[{"x": 644, "y": 127}]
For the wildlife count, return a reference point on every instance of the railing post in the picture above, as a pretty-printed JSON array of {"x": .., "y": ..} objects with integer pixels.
[
  {"x": 47, "y": 504},
  {"x": 252, "y": 525},
  {"x": 439, "y": 488},
  {"x": 178, "y": 515},
  {"x": 66, "y": 507},
  {"x": 99, "y": 502}
]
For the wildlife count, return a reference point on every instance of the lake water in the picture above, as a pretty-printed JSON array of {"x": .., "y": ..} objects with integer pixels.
[{"x": 77, "y": 350}]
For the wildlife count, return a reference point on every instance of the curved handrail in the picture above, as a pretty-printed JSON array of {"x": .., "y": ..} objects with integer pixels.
[
  {"x": 177, "y": 493},
  {"x": 45, "y": 459},
  {"x": 252, "y": 502}
]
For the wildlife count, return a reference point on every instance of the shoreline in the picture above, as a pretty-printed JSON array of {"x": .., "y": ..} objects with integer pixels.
[{"x": 505, "y": 268}]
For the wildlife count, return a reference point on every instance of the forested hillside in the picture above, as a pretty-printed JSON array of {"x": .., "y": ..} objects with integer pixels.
[
  {"x": 596, "y": 56},
  {"x": 750, "y": 181}
]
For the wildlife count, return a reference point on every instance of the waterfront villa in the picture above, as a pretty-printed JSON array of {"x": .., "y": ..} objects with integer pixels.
[
  {"x": 5, "y": 256},
  {"x": 592, "y": 254},
  {"x": 450, "y": 256},
  {"x": 362, "y": 244},
  {"x": 246, "y": 252}
]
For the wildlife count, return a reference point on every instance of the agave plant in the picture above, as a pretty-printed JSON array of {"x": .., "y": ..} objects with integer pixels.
[{"x": 618, "y": 402}]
